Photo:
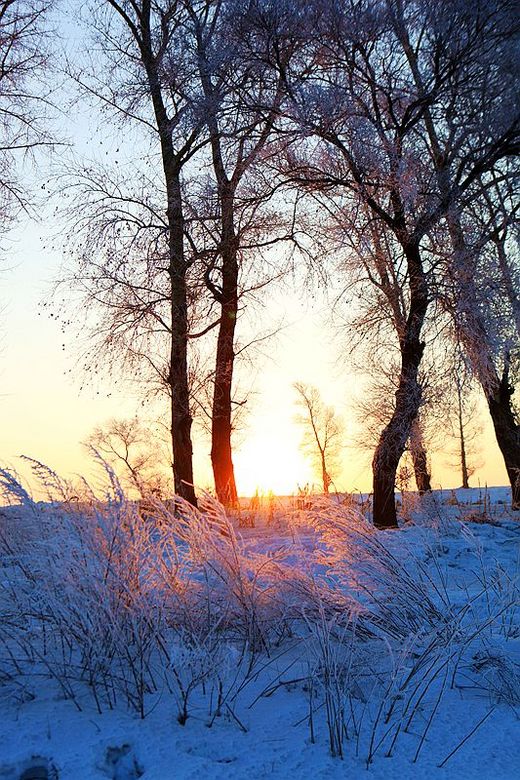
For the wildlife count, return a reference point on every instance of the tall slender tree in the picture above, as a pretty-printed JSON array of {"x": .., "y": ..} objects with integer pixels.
[
  {"x": 212, "y": 109},
  {"x": 242, "y": 101},
  {"x": 152, "y": 82}
]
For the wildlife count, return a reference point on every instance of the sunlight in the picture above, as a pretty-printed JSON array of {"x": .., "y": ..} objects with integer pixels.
[{"x": 266, "y": 464}]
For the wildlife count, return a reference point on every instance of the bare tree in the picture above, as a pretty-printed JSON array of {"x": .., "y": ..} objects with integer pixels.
[
  {"x": 150, "y": 81},
  {"x": 478, "y": 261},
  {"x": 323, "y": 431},
  {"x": 489, "y": 41},
  {"x": 375, "y": 408},
  {"x": 133, "y": 451},
  {"x": 395, "y": 102},
  {"x": 377, "y": 275},
  {"x": 24, "y": 100},
  {"x": 455, "y": 411},
  {"x": 242, "y": 100},
  {"x": 224, "y": 112},
  {"x": 482, "y": 300},
  {"x": 464, "y": 415}
]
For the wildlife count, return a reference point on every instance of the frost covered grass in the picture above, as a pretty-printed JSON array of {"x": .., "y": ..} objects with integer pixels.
[{"x": 373, "y": 633}]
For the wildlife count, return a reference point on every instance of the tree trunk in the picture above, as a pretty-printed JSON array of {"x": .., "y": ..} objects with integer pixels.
[
  {"x": 181, "y": 419},
  {"x": 420, "y": 459},
  {"x": 421, "y": 471},
  {"x": 393, "y": 439},
  {"x": 138, "y": 17},
  {"x": 226, "y": 296},
  {"x": 324, "y": 474},
  {"x": 507, "y": 432},
  {"x": 463, "y": 460},
  {"x": 462, "y": 440},
  {"x": 221, "y": 451},
  {"x": 250, "y": 140}
]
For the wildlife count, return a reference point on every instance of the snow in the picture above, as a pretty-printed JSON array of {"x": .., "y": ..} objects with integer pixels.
[{"x": 469, "y": 575}]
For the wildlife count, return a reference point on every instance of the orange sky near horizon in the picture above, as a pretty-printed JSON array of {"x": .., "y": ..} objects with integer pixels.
[{"x": 45, "y": 414}]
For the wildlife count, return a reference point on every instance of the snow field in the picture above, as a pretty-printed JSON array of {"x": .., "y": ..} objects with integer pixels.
[{"x": 173, "y": 644}]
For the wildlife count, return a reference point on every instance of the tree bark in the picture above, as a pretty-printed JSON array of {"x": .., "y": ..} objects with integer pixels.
[
  {"x": 393, "y": 439},
  {"x": 507, "y": 432},
  {"x": 463, "y": 461},
  {"x": 226, "y": 296},
  {"x": 420, "y": 459},
  {"x": 421, "y": 471},
  {"x": 181, "y": 419},
  {"x": 221, "y": 428},
  {"x": 408, "y": 395},
  {"x": 325, "y": 474},
  {"x": 250, "y": 138}
]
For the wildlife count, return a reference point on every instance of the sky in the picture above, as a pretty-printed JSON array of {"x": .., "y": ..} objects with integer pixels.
[{"x": 47, "y": 409}]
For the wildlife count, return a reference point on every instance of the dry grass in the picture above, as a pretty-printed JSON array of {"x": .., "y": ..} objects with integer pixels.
[{"x": 125, "y": 606}]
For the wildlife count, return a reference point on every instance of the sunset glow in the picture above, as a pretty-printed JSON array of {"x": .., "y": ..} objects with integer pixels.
[
  {"x": 260, "y": 389},
  {"x": 266, "y": 464}
]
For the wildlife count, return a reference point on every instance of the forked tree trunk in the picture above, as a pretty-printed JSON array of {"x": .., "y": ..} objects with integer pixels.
[
  {"x": 507, "y": 432},
  {"x": 250, "y": 142},
  {"x": 393, "y": 439},
  {"x": 226, "y": 296}
]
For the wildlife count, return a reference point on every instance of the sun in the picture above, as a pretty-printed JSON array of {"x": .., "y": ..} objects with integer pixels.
[{"x": 267, "y": 464}]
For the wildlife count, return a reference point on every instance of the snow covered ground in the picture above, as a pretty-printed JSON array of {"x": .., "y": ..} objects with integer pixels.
[{"x": 321, "y": 636}]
